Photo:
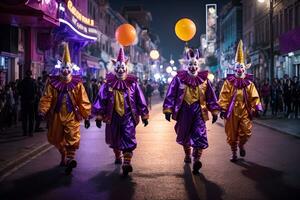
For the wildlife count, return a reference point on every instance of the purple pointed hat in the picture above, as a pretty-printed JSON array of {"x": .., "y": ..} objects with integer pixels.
[
  {"x": 121, "y": 55},
  {"x": 190, "y": 53}
]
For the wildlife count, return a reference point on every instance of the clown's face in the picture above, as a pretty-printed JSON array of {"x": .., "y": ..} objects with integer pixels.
[
  {"x": 240, "y": 70},
  {"x": 66, "y": 70},
  {"x": 120, "y": 69},
  {"x": 193, "y": 66}
]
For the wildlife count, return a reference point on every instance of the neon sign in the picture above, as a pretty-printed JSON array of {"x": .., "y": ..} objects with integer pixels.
[{"x": 78, "y": 15}]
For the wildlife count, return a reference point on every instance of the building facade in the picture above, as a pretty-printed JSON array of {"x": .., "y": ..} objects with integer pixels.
[
  {"x": 230, "y": 33},
  {"x": 286, "y": 37},
  {"x": 26, "y": 28}
]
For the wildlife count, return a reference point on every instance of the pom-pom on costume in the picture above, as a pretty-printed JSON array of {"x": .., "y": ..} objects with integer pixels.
[
  {"x": 189, "y": 98},
  {"x": 65, "y": 102},
  {"x": 239, "y": 100},
  {"x": 120, "y": 103}
]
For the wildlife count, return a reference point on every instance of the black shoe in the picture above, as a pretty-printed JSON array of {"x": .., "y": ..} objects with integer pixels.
[
  {"x": 70, "y": 165},
  {"x": 62, "y": 163},
  {"x": 233, "y": 158},
  {"x": 242, "y": 152},
  {"x": 187, "y": 159},
  {"x": 118, "y": 161},
  {"x": 39, "y": 130},
  {"x": 196, "y": 166},
  {"x": 126, "y": 169}
]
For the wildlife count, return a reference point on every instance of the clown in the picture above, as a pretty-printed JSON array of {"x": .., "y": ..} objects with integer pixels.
[
  {"x": 189, "y": 98},
  {"x": 65, "y": 102},
  {"x": 239, "y": 100},
  {"x": 120, "y": 103}
]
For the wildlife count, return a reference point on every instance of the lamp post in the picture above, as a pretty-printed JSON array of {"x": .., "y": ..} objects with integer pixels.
[
  {"x": 154, "y": 55},
  {"x": 271, "y": 39}
]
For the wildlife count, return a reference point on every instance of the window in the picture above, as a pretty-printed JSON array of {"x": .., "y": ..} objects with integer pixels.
[
  {"x": 297, "y": 14},
  {"x": 290, "y": 25},
  {"x": 281, "y": 26},
  {"x": 286, "y": 20},
  {"x": 276, "y": 26}
]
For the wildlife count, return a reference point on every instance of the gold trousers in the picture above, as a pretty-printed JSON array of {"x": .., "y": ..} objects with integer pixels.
[
  {"x": 238, "y": 128},
  {"x": 64, "y": 132}
]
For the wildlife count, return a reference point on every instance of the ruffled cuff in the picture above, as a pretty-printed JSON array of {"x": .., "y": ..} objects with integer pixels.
[
  {"x": 259, "y": 107},
  {"x": 145, "y": 116},
  {"x": 99, "y": 117},
  {"x": 167, "y": 110},
  {"x": 215, "y": 112}
]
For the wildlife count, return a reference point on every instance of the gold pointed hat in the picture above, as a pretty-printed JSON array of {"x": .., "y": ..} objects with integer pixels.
[
  {"x": 239, "y": 56},
  {"x": 66, "y": 54}
]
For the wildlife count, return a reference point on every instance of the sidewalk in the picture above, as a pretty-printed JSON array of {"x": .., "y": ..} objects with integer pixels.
[
  {"x": 16, "y": 149},
  {"x": 281, "y": 124}
]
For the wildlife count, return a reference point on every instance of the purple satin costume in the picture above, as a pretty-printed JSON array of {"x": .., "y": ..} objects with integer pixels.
[
  {"x": 190, "y": 127},
  {"x": 120, "y": 130}
]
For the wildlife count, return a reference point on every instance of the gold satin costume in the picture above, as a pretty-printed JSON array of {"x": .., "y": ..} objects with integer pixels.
[
  {"x": 238, "y": 126},
  {"x": 64, "y": 128}
]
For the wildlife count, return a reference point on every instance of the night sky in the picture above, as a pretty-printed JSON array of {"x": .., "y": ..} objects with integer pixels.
[{"x": 165, "y": 14}]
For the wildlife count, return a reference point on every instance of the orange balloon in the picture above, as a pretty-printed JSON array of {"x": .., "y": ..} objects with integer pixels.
[
  {"x": 185, "y": 29},
  {"x": 125, "y": 34}
]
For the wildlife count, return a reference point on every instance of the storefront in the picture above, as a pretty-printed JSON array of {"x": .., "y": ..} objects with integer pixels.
[
  {"x": 289, "y": 60},
  {"x": 22, "y": 22},
  {"x": 76, "y": 29}
]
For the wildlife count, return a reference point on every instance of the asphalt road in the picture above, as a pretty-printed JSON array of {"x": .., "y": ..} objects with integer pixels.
[{"x": 271, "y": 169}]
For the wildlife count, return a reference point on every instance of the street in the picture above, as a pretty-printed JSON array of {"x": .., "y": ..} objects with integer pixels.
[{"x": 270, "y": 169}]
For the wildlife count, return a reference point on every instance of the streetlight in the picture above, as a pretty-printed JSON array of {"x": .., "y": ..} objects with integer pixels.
[
  {"x": 154, "y": 54},
  {"x": 169, "y": 69},
  {"x": 271, "y": 65},
  {"x": 172, "y": 62}
]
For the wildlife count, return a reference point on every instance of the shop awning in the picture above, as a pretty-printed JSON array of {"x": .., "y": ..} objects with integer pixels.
[{"x": 290, "y": 41}]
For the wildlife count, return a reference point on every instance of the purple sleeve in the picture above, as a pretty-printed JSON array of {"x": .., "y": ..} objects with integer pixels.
[
  {"x": 211, "y": 99},
  {"x": 99, "y": 106},
  {"x": 171, "y": 95},
  {"x": 141, "y": 103}
]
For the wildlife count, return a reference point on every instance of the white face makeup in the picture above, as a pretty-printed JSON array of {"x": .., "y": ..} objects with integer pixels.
[
  {"x": 239, "y": 70},
  {"x": 120, "y": 69},
  {"x": 193, "y": 66},
  {"x": 66, "y": 70}
]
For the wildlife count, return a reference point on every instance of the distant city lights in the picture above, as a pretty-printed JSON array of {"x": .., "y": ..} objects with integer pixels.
[{"x": 169, "y": 69}]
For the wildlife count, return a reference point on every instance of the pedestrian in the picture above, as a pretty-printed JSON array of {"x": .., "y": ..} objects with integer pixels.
[
  {"x": 28, "y": 90},
  {"x": 296, "y": 97},
  {"x": 95, "y": 89},
  {"x": 119, "y": 104},
  {"x": 265, "y": 94},
  {"x": 39, "y": 93},
  {"x": 88, "y": 87},
  {"x": 8, "y": 106},
  {"x": 161, "y": 89},
  {"x": 287, "y": 95},
  {"x": 149, "y": 91},
  {"x": 65, "y": 103},
  {"x": 239, "y": 100},
  {"x": 275, "y": 96},
  {"x": 188, "y": 99}
]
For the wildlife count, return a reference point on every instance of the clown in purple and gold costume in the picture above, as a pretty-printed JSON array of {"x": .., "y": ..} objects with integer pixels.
[
  {"x": 119, "y": 104},
  {"x": 65, "y": 102},
  {"x": 239, "y": 100},
  {"x": 189, "y": 98}
]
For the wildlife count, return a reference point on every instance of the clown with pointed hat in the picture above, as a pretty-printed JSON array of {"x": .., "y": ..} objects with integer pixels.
[
  {"x": 239, "y": 101},
  {"x": 189, "y": 98},
  {"x": 65, "y": 103},
  {"x": 120, "y": 104}
]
